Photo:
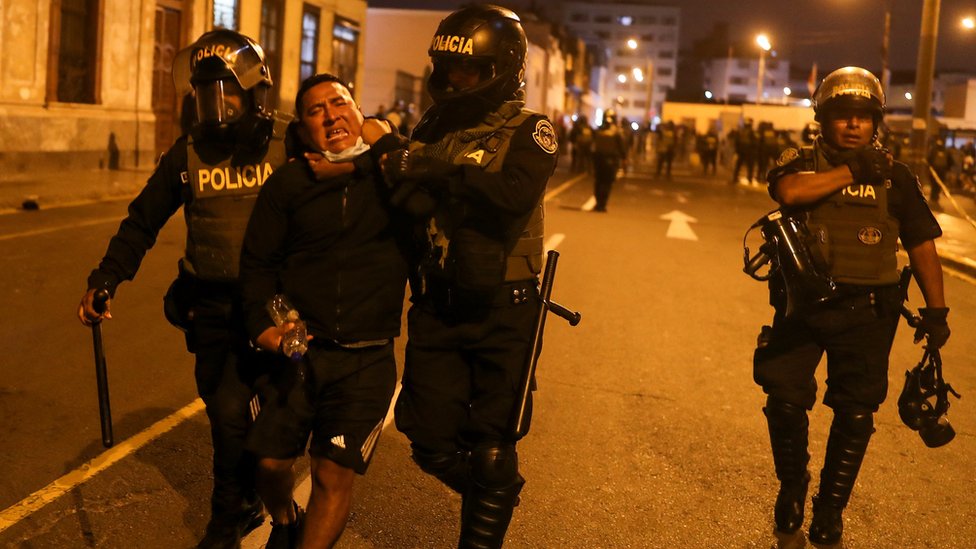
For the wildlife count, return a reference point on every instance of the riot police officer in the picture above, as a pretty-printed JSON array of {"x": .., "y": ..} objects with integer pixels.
[
  {"x": 856, "y": 203},
  {"x": 609, "y": 153},
  {"x": 214, "y": 173},
  {"x": 482, "y": 159}
]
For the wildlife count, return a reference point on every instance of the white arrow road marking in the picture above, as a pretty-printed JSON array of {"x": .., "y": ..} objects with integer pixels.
[{"x": 679, "y": 227}]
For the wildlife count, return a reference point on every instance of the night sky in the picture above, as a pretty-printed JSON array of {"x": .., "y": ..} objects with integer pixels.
[{"x": 832, "y": 33}]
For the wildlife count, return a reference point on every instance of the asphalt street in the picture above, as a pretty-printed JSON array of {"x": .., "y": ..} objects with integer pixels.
[{"x": 648, "y": 430}]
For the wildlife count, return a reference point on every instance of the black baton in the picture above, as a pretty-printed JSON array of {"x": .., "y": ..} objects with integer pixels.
[
  {"x": 520, "y": 419},
  {"x": 101, "y": 374}
]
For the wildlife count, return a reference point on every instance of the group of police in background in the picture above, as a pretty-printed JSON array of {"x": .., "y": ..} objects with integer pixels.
[
  {"x": 473, "y": 178},
  {"x": 756, "y": 149},
  {"x": 836, "y": 289}
]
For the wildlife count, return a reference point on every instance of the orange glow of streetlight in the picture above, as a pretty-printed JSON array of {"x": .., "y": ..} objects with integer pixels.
[
  {"x": 763, "y": 42},
  {"x": 968, "y": 23}
]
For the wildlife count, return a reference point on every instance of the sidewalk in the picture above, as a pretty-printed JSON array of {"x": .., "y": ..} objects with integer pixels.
[
  {"x": 956, "y": 247},
  {"x": 68, "y": 188}
]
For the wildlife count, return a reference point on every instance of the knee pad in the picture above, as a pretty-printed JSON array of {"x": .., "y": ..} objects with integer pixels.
[
  {"x": 780, "y": 413},
  {"x": 853, "y": 423},
  {"x": 437, "y": 463},
  {"x": 451, "y": 468},
  {"x": 495, "y": 467}
]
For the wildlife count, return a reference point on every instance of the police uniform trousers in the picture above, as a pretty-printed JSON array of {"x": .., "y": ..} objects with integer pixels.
[
  {"x": 604, "y": 174},
  {"x": 461, "y": 376},
  {"x": 856, "y": 332},
  {"x": 226, "y": 372}
]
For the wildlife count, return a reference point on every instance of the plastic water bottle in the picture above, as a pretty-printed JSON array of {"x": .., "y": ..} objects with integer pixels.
[{"x": 294, "y": 343}]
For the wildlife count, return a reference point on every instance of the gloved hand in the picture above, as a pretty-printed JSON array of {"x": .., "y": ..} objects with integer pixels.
[
  {"x": 429, "y": 173},
  {"x": 394, "y": 166},
  {"x": 933, "y": 325},
  {"x": 869, "y": 165}
]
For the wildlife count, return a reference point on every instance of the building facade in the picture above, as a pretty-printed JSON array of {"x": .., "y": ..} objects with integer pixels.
[
  {"x": 640, "y": 52},
  {"x": 79, "y": 77},
  {"x": 736, "y": 80}
]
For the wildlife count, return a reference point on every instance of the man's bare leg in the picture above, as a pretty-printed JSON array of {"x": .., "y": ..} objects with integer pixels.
[{"x": 328, "y": 505}]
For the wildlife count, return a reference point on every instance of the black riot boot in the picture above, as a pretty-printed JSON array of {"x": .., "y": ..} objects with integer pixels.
[
  {"x": 788, "y": 426},
  {"x": 491, "y": 498},
  {"x": 846, "y": 445}
]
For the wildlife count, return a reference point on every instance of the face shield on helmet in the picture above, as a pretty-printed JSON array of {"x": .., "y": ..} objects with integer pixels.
[
  {"x": 226, "y": 72},
  {"x": 849, "y": 88},
  {"x": 220, "y": 101},
  {"x": 479, "y": 57}
]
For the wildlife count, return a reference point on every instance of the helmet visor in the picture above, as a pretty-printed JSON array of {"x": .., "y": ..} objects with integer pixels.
[
  {"x": 463, "y": 73},
  {"x": 219, "y": 101}
]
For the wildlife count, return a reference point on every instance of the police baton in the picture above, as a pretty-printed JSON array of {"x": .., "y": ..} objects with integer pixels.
[
  {"x": 520, "y": 419},
  {"x": 101, "y": 374}
]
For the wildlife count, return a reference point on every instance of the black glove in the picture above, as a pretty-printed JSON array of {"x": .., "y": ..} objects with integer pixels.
[
  {"x": 933, "y": 325},
  {"x": 394, "y": 165},
  {"x": 869, "y": 165}
]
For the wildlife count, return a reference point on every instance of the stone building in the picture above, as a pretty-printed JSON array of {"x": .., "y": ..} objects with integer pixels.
[{"x": 81, "y": 79}]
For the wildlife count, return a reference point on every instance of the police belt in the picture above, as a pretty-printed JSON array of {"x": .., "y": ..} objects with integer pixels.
[
  {"x": 509, "y": 293},
  {"x": 852, "y": 296}
]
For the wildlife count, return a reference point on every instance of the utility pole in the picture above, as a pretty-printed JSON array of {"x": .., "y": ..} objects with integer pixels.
[{"x": 924, "y": 72}]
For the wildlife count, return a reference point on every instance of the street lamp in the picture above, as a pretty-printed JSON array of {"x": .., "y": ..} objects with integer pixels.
[
  {"x": 644, "y": 75},
  {"x": 764, "y": 46}
]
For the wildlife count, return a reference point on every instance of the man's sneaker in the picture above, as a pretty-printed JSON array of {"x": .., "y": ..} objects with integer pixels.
[{"x": 286, "y": 536}]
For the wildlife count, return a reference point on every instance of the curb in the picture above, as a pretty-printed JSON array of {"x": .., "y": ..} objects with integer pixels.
[{"x": 964, "y": 265}]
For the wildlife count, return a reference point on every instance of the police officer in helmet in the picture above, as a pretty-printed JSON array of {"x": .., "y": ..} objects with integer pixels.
[
  {"x": 856, "y": 203},
  {"x": 482, "y": 160},
  {"x": 214, "y": 173}
]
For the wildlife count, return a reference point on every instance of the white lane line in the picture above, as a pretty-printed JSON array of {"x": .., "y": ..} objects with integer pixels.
[
  {"x": 567, "y": 184},
  {"x": 72, "y": 479},
  {"x": 554, "y": 241},
  {"x": 35, "y": 232}
]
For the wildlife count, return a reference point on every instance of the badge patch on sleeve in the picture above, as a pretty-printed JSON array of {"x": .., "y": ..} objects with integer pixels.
[
  {"x": 545, "y": 136},
  {"x": 789, "y": 155}
]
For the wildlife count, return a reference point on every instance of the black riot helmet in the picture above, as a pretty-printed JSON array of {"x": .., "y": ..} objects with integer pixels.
[
  {"x": 609, "y": 118},
  {"x": 228, "y": 76},
  {"x": 486, "y": 38},
  {"x": 846, "y": 88}
]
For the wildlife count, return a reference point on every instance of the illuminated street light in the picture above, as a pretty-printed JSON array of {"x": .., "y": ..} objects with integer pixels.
[
  {"x": 622, "y": 78},
  {"x": 764, "y": 46},
  {"x": 638, "y": 74},
  {"x": 968, "y": 23},
  {"x": 908, "y": 96},
  {"x": 708, "y": 94},
  {"x": 787, "y": 91}
]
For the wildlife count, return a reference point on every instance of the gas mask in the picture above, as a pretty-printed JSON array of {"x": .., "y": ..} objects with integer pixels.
[{"x": 924, "y": 401}]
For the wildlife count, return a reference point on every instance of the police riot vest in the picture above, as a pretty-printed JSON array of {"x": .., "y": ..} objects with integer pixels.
[
  {"x": 224, "y": 191},
  {"x": 854, "y": 229},
  {"x": 468, "y": 256}
]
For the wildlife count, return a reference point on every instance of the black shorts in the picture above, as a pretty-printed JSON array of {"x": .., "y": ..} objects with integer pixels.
[{"x": 342, "y": 402}]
